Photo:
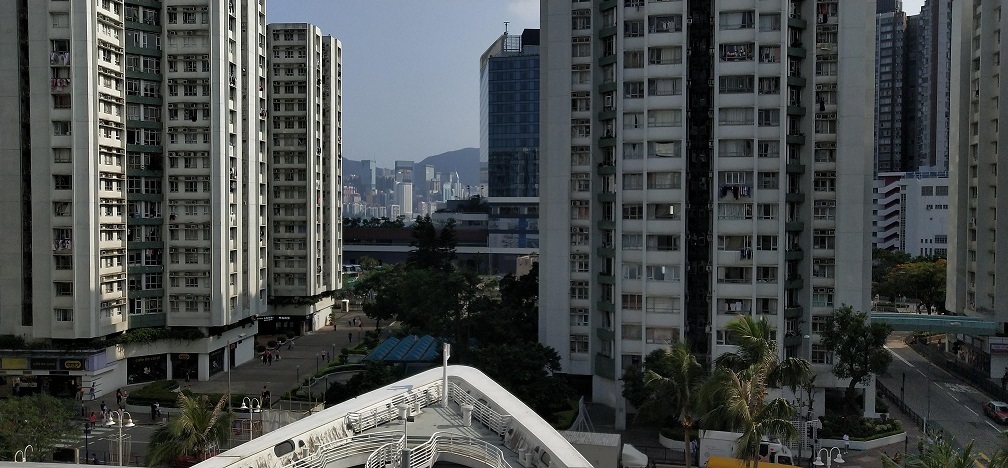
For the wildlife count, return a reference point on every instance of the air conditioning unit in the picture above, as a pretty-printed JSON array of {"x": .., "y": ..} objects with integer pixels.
[
  {"x": 190, "y": 33},
  {"x": 818, "y": 87}
]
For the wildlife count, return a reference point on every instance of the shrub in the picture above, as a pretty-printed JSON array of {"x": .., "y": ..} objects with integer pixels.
[
  {"x": 290, "y": 333},
  {"x": 858, "y": 428},
  {"x": 164, "y": 392},
  {"x": 260, "y": 349},
  {"x": 881, "y": 406},
  {"x": 271, "y": 344}
]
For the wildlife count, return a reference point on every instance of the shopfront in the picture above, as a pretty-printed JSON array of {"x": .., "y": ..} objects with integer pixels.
[
  {"x": 146, "y": 368},
  {"x": 28, "y": 375}
]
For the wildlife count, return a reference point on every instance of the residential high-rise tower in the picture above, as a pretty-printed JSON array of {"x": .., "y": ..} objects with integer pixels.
[{"x": 705, "y": 160}]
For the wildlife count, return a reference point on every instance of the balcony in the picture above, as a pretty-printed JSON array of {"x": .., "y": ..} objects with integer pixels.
[
  {"x": 796, "y": 22},
  {"x": 795, "y": 110},
  {"x": 794, "y": 226},
  {"x": 606, "y": 197},
  {"x": 605, "y": 366},
  {"x": 607, "y": 31},
  {"x": 793, "y": 254},
  {"x": 792, "y": 339},
  {"x": 795, "y": 168},
  {"x": 605, "y": 334},
  {"x": 604, "y": 278},
  {"x": 793, "y": 312},
  {"x": 606, "y": 225},
  {"x": 798, "y": 51},
  {"x": 604, "y": 306},
  {"x": 794, "y": 197},
  {"x": 606, "y": 251},
  {"x": 796, "y": 81},
  {"x": 796, "y": 139},
  {"x": 606, "y": 169},
  {"x": 793, "y": 282}
]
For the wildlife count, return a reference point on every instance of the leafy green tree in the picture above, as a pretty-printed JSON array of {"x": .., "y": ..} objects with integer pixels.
[
  {"x": 923, "y": 280},
  {"x": 883, "y": 261},
  {"x": 194, "y": 432},
  {"x": 376, "y": 374},
  {"x": 40, "y": 420},
  {"x": 944, "y": 454},
  {"x": 673, "y": 381},
  {"x": 432, "y": 250},
  {"x": 858, "y": 349},
  {"x": 528, "y": 371},
  {"x": 736, "y": 393}
]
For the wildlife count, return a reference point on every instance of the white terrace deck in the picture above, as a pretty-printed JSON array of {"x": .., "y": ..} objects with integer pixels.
[{"x": 366, "y": 430}]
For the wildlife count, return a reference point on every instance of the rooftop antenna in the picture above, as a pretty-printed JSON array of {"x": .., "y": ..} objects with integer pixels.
[{"x": 506, "y": 26}]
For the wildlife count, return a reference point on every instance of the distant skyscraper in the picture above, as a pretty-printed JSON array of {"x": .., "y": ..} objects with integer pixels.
[
  {"x": 706, "y": 160},
  {"x": 890, "y": 57},
  {"x": 305, "y": 247},
  {"x": 509, "y": 114},
  {"x": 930, "y": 79}
]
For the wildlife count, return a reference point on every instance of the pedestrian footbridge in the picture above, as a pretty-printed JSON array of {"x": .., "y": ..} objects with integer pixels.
[{"x": 956, "y": 324}]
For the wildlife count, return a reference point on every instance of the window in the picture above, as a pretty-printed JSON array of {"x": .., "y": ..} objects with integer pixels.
[
  {"x": 579, "y": 344},
  {"x": 61, "y": 127},
  {"x": 725, "y": 337},
  {"x": 769, "y": 85},
  {"x": 824, "y": 181},
  {"x": 821, "y": 355},
  {"x": 633, "y": 181},
  {"x": 632, "y": 241},
  {"x": 633, "y": 28},
  {"x": 580, "y": 128},
  {"x": 767, "y": 180},
  {"x": 633, "y": 120},
  {"x": 768, "y": 149},
  {"x": 631, "y": 301},
  {"x": 736, "y": 20},
  {"x": 664, "y": 23},
  {"x": 731, "y": 84},
  {"x": 736, "y": 52},
  {"x": 580, "y": 182},
  {"x": 579, "y": 209},
  {"x": 579, "y": 263},
  {"x": 766, "y": 274},
  {"x": 735, "y": 116},
  {"x": 824, "y": 210},
  {"x": 769, "y": 117},
  {"x": 63, "y": 315},
  {"x": 62, "y": 182},
  {"x": 769, "y": 54},
  {"x": 579, "y": 236},
  {"x": 663, "y": 242},
  {"x": 664, "y": 117},
  {"x": 767, "y": 210},
  {"x": 664, "y": 55},
  {"x": 823, "y": 268},
  {"x": 766, "y": 242},
  {"x": 663, "y": 180},
  {"x": 664, "y": 86},
  {"x": 663, "y": 273},
  {"x": 631, "y": 331},
  {"x": 579, "y": 290},
  {"x": 581, "y": 47},
  {"x": 770, "y": 22},
  {"x": 633, "y": 211},
  {"x": 664, "y": 149},
  {"x": 633, "y": 89},
  {"x": 579, "y": 317},
  {"x": 823, "y": 239},
  {"x": 633, "y": 59},
  {"x": 734, "y": 211},
  {"x": 580, "y": 20},
  {"x": 632, "y": 271},
  {"x": 63, "y": 288}
]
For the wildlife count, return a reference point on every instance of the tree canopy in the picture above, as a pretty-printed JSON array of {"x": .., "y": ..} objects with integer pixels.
[
  {"x": 921, "y": 280},
  {"x": 858, "y": 349},
  {"x": 40, "y": 420},
  {"x": 193, "y": 433}
]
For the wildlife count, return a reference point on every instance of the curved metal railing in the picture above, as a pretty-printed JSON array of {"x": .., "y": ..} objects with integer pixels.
[
  {"x": 388, "y": 454},
  {"x": 427, "y": 454}
]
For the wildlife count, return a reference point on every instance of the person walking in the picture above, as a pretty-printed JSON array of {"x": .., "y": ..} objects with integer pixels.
[
  {"x": 104, "y": 409},
  {"x": 93, "y": 391},
  {"x": 119, "y": 397},
  {"x": 92, "y": 419}
]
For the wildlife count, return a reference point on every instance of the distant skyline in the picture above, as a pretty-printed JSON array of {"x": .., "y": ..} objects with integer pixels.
[{"x": 410, "y": 68}]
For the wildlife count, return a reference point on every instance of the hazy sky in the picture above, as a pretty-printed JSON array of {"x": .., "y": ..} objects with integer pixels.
[{"x": 410, "y": 68}]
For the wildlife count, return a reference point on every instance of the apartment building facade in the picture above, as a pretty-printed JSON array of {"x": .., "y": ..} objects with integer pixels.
[
  {"x": 976, "y": 276},
  {"x": 142, "y": 149},
  {"x": 911, "y": 212},
  {"x": 890, "y": 65},
  {"x": 701, "y": 156},
  {"x": 305, "y": 118}
]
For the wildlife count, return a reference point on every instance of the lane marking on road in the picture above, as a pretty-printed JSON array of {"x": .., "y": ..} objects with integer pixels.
[
  {"x": 971, "y": 411},
  {"x": 904, "y": 360},
  {"x": 993, "y": 427}
]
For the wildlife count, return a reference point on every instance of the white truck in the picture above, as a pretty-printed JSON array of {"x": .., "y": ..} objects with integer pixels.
[{"x": 723, "y": 444}]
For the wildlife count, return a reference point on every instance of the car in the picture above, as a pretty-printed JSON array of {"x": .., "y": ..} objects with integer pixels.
[{"x": 997, "y": 410}]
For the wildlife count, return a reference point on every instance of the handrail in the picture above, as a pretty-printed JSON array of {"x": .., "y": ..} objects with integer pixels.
[
  {"x": 481, "y": 411},
  {"x": 386, "y": 410},
  {"x": 331, "y": 451},
  {"x": 390, "y": 453},
  {"x": 427, "y": 454}
]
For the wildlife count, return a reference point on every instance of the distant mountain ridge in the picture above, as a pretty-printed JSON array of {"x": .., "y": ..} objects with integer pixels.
[{"x": 465, "y": 161}]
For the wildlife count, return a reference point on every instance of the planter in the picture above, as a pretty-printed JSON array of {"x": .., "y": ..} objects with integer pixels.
[{"x": 865, "y": 444}]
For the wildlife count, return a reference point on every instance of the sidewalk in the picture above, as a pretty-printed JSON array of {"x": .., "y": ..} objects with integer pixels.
[{"x": 294, "y": 364}]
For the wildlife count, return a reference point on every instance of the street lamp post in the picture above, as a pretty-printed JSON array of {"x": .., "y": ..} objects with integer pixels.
[
  {"x": 124, "y": 420},
  {"x": 87, "y": 432},
  {"x": 23, "y": 453},
  {"x": 253, "y": 406},
  {"x": 829, "y": 461},
  {"x": 231, "y": 365}
]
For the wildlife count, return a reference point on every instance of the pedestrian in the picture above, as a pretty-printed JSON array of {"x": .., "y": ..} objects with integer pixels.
[
  {"x": 265, "y": 397},
  {"x": 153, "y": 412},
  {"x": 846, "y": 442},
  {"x": 290, "y": 344},
  {"x": 92, "y": 391},
  {"x": 188, "y": 373},
  {"x": 92, "y": 419},
  {"x": 119, "y": 397},
  {"x": 269, "y": 361},
  {"x": 266, "y": 357},
  {"x": 349, "y": 337},
  {"x": 276, "y": 354},
  {"x": 104, "y": 409},
  {"x": 94, "y": 459},
  {"x": 695, "y": 451}
]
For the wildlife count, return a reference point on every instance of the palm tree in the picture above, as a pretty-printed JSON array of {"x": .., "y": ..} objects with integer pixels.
[
  {"x": 736, "y": 392},
  {"x": 944, "y": 454},
  {"x": 195, "y": 431},
  {"x": 673, "y": 381}
]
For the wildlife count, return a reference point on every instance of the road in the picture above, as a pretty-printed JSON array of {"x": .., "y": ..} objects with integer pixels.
[{"x": 954, "y": 406}]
